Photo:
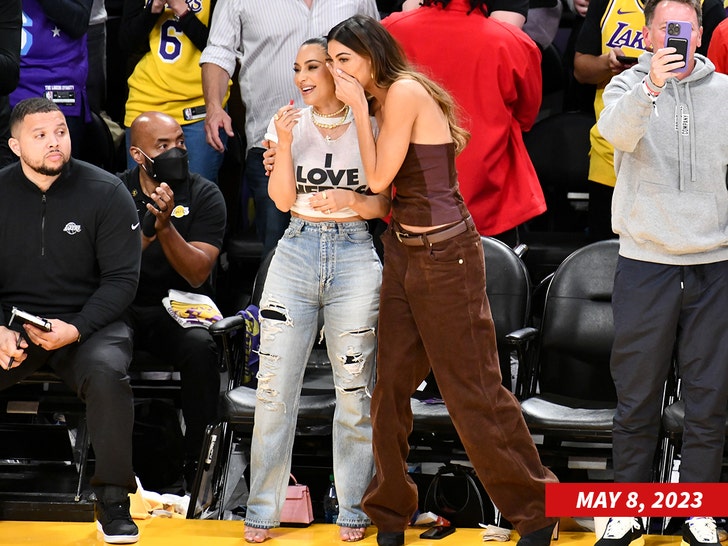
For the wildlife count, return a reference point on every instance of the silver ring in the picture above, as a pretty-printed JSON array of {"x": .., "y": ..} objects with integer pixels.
[{"x": 328, "y": 211}]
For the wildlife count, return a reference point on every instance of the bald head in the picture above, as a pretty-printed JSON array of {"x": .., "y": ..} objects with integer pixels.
[
  {"x": 152, "y": 133},
  {"x": 150, "y": 125}
]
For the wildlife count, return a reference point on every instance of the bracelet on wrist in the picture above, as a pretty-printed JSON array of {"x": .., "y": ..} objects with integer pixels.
[
  {"x": 652, "y": 93},
  {"x": 185, "y": 14},
  {"x": 653, "y": 85}
]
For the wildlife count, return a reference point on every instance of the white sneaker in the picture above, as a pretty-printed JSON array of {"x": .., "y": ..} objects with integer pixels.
[
  {"x": 622, "y": 532},
  {"x": 699, "y": 532}
]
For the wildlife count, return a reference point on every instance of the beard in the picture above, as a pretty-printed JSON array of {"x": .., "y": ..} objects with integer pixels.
[
  {"x": 45, "y": 169},
  {"x": 48, "y": 171}
]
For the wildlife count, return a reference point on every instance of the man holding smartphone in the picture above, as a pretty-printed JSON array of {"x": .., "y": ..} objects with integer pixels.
[
  {"x": 183, "y": 223},
  {"x": 610, "y": 41},
  {"x": 69, "y": 252},
  {"x": 666, "y": 119}
]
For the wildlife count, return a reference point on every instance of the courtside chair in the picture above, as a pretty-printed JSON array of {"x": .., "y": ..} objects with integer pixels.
[
  {"x": 508, "y": 288},
  {"x": 237, "y": 409},
  {"x": 569, "y": 393},
  {"x": 673, "y": 424},
  {"x": 44, "y": 446}
]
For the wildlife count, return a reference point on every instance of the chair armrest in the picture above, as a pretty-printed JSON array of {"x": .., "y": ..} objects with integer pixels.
[
  {"x": 230, "y": 359},
  {"x": 522, "y": 335},
  {"x": 227, "y": 325},
  {"x": 523, "y": 339},
  {"x": 521, "y": 250}
]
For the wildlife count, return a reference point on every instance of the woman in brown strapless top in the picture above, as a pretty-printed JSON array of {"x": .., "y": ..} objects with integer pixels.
[{"x": 434, "y": 313}]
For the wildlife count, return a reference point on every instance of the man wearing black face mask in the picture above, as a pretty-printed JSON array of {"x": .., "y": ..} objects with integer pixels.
[{"x": 183, "y": 221}]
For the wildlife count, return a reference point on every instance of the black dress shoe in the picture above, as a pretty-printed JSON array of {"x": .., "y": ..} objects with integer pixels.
[
  {"x": 390, "y": 539},
  {"x": 542, "y": 537}
]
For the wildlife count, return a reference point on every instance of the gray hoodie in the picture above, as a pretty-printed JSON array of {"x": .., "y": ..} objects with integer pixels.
[{"x": 670, "y": 202}]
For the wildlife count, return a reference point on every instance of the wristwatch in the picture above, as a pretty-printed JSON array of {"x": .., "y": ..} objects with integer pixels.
[{"x": 185, "y": 14}]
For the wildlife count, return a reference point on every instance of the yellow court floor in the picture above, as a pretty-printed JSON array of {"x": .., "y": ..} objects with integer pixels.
[{"x": 181, "y": 532}]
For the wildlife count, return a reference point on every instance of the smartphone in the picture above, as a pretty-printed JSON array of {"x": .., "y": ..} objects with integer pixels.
[
  {"x": 195, "y": 113},
  {"x": 27, "y": 318},
  {"x": 438, "y": 531},
  {"x": 625, "y": 59},
  {"x": 677, "y": 35}
]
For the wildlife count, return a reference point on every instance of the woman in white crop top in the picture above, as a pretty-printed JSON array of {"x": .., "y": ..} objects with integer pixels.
[{"x": 324, "y": 264}]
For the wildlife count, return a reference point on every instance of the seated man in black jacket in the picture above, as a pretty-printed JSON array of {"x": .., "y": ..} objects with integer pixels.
[
  {"x": 183, "y": 221},
  {"x": 70, "y": 251}
]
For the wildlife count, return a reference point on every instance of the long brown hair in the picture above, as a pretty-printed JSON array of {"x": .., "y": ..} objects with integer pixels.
[{"x": 368, "y": 38}]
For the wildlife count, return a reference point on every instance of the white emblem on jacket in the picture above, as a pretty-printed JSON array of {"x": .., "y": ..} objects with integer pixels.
[{"x": 72, "y": 228}]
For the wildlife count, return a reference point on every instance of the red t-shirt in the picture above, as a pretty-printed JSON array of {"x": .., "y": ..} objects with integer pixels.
[
  {"x": 493, "y": 71},
  {"x": 718, "y": 48}
]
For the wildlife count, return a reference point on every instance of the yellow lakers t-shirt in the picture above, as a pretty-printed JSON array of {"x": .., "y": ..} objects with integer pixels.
[
  {"x": 168, "y": 78},
  {"x": 621, "y": 25}
]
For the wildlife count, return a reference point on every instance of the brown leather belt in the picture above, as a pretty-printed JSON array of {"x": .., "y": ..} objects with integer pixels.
[{"x": 428, "y": 239}]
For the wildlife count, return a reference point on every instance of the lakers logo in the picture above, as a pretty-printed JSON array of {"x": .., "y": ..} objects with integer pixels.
[
  {"x": 179, "y": 211},
  {"x": 72, "y": 228}
]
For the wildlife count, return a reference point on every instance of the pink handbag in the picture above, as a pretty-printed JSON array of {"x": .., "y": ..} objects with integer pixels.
[{"x": 297, "y": 510}]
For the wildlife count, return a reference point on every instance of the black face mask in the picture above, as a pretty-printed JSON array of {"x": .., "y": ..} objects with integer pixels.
[{"x": 170, "y": 166}]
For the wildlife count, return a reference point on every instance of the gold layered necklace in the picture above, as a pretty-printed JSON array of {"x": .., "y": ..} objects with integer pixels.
[{"x": 330, "y": 121}]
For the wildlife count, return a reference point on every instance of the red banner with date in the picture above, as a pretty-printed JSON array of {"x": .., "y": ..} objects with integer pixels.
[{"x": 636, "y": 499}]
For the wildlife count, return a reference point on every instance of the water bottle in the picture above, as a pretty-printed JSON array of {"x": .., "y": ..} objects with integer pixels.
[{"x": 331, "y": 503}]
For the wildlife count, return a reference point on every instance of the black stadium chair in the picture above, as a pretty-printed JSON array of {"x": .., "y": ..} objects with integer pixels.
[
  {"x": 237, "y": 408},
  {"x": 508, "y": 288},
  {"x": 570, "y": 398}
]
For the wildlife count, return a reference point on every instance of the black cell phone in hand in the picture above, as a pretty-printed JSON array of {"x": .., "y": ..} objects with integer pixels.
[
  {"x": 626, "y": 59},
  {"x": 438, "y": 531}
]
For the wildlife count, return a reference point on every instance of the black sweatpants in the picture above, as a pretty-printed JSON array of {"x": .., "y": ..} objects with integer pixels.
[
  {"x": 660, "y": 311},
  {"x": 97, "y": 370}
]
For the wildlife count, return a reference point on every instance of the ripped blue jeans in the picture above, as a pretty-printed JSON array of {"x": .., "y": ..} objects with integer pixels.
[{"x": 333, "y": 268}]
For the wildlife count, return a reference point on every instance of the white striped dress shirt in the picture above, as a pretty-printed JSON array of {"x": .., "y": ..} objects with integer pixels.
[{"x": 266, "y": 35}]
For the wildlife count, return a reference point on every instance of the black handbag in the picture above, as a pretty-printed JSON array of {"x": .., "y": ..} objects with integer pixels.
[{"x": 457, "y": 495}]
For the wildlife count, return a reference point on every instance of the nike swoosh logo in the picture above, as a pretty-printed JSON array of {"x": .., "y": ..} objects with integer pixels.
[
  {"x": 134, "y": 226},
  {"x": 620, "y": 12}
]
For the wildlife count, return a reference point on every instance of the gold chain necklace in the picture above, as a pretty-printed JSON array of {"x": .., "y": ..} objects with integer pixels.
[
  {"x": 344, "y": 113},
  {"x": 334, "y": 115}
]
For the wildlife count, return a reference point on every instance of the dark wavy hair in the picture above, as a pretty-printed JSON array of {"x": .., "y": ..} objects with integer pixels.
[
  {"x": 318, "y": 40},
  {"x": 367, "y": 37}
]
